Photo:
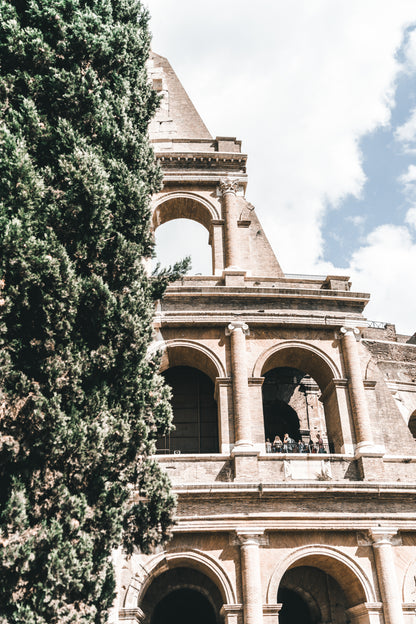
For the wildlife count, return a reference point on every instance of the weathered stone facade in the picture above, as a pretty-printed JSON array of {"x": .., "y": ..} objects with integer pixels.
[{"x": 329, "y": 535}]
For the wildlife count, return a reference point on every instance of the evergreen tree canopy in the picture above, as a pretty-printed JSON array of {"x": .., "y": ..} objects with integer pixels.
[{"x": 80, "y": 405}]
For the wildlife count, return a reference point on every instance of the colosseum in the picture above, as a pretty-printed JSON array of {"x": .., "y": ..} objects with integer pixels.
[{"x": 293, "y": 456}]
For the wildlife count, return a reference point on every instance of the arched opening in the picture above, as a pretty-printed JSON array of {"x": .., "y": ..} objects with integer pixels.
[
  {"x": 189, "y": 232},
  {"x": 311, "y": 596},
  {"x": 194, "y": 413},
  {"x": 291, "y": 407},
  {"x": 412, "y": 424},
  {"x": 182, "y": 595},
  {"x": 184, "y": 606},
  {"x": 180, "y": 238},
  {"x": 294, "y": 608},
  {"x": 316, "y": 384}
]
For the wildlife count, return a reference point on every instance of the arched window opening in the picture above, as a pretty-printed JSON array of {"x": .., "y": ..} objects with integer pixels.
[
  {"x": 182, "y": 595},
  {"x": 311, "y": 596},
  {"x": 179, "y": 238},
  {"x": 184, "y": 606},
  {"x": 412, "y": 424},
  {"x": 194, "y": 413},
  {"x": 291, "y": 406}
]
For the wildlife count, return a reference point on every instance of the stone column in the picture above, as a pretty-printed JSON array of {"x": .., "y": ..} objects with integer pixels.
[
  {"x": 228, "y": 189},
  {"x": 362, "y": 424},
  {"x": 250, "y": 575},
  {"x": 237, "y": 330},
  {"x": 383, "y": 541}
]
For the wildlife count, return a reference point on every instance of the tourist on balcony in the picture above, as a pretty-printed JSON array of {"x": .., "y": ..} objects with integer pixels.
[
  {"x": 286, "y": 443},
  {"x": 301, "y": 447},
  {"x": 320, "y": 443},
  {"x": 277, "y": 445},
  {"x": 291, "y": 445},
  {"x": 268, "y": 446}
]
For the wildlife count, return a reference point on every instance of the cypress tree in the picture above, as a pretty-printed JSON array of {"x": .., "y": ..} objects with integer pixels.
[{"x": 81, "y": 405}]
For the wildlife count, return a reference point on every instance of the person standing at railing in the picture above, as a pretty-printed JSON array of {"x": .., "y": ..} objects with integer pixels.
[
  {"x": 277, "y": 444},
  {"x": 320, "y": 443},
  {"x": 286, "y": 443}
]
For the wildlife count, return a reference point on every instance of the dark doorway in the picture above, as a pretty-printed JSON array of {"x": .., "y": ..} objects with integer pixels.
[
  {"x": 184, "y": 606},
  {"x": 279, "y": 387},
  {"x": 294, "y": 608},
  {"x": 280, "y": 418},
  {"x": 194, "y": 413}
]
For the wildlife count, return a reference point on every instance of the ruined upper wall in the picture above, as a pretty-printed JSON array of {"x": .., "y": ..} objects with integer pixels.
[{"x": 177, "y": 117}]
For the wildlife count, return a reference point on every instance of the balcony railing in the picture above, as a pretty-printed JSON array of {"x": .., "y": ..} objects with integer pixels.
[{"x": 304, "y": 448}]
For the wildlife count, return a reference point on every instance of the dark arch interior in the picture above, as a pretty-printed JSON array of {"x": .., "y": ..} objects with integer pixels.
[
  {"x": 294, "y": 608},
  {"x": 279, "y": 416},
  {"x": 194, "y": 413},
  {"x": 184, "y": 606},
  {"x": 309, "y": 595},
  {"x": 412, "y": 424}
]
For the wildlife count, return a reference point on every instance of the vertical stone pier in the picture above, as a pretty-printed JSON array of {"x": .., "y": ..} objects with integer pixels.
[{"x": 383, "y": 541}]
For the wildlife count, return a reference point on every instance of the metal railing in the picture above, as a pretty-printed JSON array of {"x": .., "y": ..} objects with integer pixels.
[{"x": 310, "y": 449}]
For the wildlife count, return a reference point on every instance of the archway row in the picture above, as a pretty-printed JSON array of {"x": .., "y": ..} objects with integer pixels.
[
  {"x": 198, "y": 376},
  {"x": 296, "y": 581}
]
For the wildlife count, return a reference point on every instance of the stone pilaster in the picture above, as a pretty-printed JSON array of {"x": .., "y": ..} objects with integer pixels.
[
  {"x": 362, "y": 424},
  {"x": 250, "y": 542},
  {"x": 228, "y": 190},
  {"x": 383, "y": 541}
]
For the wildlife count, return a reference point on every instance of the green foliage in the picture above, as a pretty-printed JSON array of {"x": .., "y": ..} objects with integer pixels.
[{"x": 80, "y": 404}]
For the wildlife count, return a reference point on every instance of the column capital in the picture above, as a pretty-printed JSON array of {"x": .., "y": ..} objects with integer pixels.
[
  {"x": 249, "y": 537},
  {"x": 350, "y": 330},
  {"x": 235, "y": 325},
  {"x": 382, "y": 536},
  {"x": 229, "y": 185}
]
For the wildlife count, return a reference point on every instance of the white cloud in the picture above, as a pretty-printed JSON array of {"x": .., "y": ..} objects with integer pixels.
[
  {"x": 385, "y": 266},
  {"x": 406, "y": 133},
  {"x": 408, "y": 181},
  {"x": 409, "y": 178},
  {"x": 410, "y": 51},
  {"x": 411, "y": 218},
  {"x": 357, "y": 220}
]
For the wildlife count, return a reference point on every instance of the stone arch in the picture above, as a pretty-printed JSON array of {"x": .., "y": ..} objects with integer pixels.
[
  {"x": 183, "y": 361},
  {"x": 309, "y": 359},
  {"x": 183, "y": 205},
  {"x": 177, "y": 352},
  {"x": 408, "y": 589},
  {"x": 301, "y": 355},
  {"x": 343, "y": 568},
  {"x": 194, "y": 559}
]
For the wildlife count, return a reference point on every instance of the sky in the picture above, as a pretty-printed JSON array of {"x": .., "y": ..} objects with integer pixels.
[{"x": 322, "y": 94}]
